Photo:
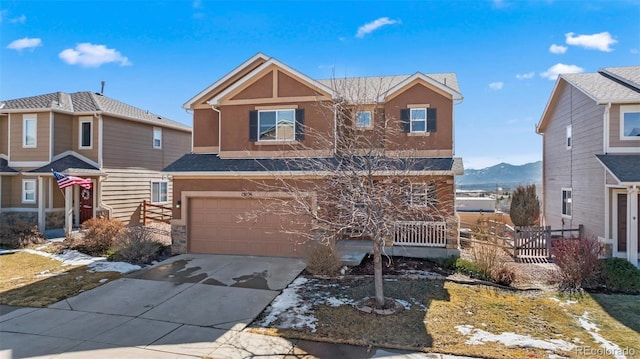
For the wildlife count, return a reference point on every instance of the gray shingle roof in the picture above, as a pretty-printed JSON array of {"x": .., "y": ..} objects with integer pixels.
[
  {"x": 86, "y": 101},
  {"x": 4, "y": 167},
  {"x": 626, "y": 168},
  {"x": 368, "y": 89},
  {"x": 604, "y": 89},
  {"x": 212, "y": 163},
  {"x": 69, "y": 165}
]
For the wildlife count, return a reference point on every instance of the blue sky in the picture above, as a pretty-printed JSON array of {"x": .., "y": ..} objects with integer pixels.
[{"x": 156, "y": 55}]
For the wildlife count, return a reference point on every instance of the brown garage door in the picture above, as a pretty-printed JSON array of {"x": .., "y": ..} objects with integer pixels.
[{"x": 215, "y": 227}]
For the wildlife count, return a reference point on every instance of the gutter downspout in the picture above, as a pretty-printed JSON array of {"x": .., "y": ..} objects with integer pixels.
[
  {"x": 607, "y": 198},
  {"x": 219, "y": 130}
]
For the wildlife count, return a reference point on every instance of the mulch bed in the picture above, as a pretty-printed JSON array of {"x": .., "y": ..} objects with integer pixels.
[{"x": 396, "y": 266}]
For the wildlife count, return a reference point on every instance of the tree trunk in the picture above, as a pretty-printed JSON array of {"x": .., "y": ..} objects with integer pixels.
[{"x": 377, "y": 271}]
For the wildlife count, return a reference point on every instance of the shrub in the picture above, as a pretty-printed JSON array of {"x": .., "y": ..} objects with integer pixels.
[
  {"x": 323, "y": 260},
  {"x": 619, "y": 275},
  {"x": 137, "y": 246},
  {"x": 100, "y": 235},
  {"x": 17, "y": 233},
  {"x": 503, "y": 275},
  {"x": 486, "y": 258},
  {"x": 448, "y": 263},
  {"x": 525, "y": 206},
  {"x": 578, "y": 262},
  {"x": 466, "y": 267}
]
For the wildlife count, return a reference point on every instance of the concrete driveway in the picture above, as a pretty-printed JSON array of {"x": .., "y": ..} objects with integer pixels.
[{"x": 190, "y": 305}]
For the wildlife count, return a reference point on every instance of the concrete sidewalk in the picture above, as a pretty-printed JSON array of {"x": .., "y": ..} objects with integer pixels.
[{"x": 189, "y": 306}]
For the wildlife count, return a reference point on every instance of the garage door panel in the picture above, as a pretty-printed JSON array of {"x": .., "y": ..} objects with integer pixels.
[{"x": 216, "y": 226}]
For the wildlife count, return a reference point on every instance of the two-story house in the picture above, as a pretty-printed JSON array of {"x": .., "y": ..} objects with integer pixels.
[
  {"x": 249, "y": 124},
  {"x": 121, "y": 148},
  {"x": 591, "y": 156}
]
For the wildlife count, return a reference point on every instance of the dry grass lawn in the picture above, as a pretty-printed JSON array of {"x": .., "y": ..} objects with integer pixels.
[
  {"x": 440, "y": 311},
  {"x": 35, "y": 281}
]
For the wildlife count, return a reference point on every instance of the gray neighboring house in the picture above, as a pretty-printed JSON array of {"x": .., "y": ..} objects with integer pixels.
[
  {"x": 121, "y": 148},
  {"x": 591, "y": 157}
]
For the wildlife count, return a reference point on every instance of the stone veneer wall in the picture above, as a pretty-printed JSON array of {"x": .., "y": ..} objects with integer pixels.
[
  {"x": 54, "y": 220},
  {"x": 13, "y": 217},
  {"x": 178, "y": 239}
]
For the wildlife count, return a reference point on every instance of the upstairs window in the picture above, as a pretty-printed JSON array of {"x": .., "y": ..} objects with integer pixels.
[
  {"x": 159, "y": 192},
  {"x": 630, "y": 122},
  {"x": 569, "y": 137},
  {"x": 418, "y": 120},
  {"x": 566, "y": 202},
  {"x": 363, "y": 119},
  {"x": 423, "y": 194},
  {"x": 276, "y": 125},
  {"x": 157, "y": 137},
  {"x": 29, "y": 131},
  {"x": 86, "y": 133}
]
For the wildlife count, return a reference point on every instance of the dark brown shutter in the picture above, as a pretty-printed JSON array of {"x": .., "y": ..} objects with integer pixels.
[
  {"x": 405, "y": 120},
  {"x": 253, "y": 126},
  {"x": 300, "y": 124},
  {"x": 431, "y": 120}
]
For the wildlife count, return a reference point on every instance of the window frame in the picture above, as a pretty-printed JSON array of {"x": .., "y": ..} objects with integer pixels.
[
  {"x": 428, "y": 194},
  {"x": 26, "y": 191},
  {"x": 276, "y": 139},
  {"x": 82, "y": 121},
  {"x": 566, "y": 206},
  {"x": 157, "y": 136},
  {"x": 370, "y": 119},
  {"x": 161, "y": 185},
  {"x": 412, "y": 120},
  {"x": 624, "y": 109},
  {"x": 569, "y": 137},
  {"x": 27, "y": 118}
]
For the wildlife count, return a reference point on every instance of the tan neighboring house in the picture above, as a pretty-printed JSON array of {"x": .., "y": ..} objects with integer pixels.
[
  {"x": 121, "y": 148},
  {"x": 249, "y": 122},
  {"x": 591, "y": 157}
]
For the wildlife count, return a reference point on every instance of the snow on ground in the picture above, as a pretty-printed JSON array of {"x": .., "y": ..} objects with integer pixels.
[
  {"x": 290, "y": 310},
  {"x": 479, "y": 337},
  {"x": 591, "y": 328},
  {"x": 97, "y": 264}
]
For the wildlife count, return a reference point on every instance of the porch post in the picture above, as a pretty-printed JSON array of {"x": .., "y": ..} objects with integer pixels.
[
  {"x": 41, "y": 216},
  {"x": 632, "y": 225},
  {"x": 68, "y": 209}
]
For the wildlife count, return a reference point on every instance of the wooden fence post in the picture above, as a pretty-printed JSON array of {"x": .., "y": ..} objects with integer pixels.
[{"x": 144, "y": 212}]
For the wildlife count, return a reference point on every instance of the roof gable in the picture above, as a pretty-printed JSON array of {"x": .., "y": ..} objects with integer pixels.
[{"x": 430, "y": 82}]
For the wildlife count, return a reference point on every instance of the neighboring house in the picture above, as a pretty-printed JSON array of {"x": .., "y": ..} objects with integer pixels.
[
  {"x": 250, "y": 121},
  {"x": 591, "y": 156},
  {"x": 120, "y": 147}
]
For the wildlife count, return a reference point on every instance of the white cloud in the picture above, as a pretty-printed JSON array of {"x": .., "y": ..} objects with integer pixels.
[
  {"x": 18, "y": 20},
  {"x": 557, "y": 69},
  {"x": 374, "y": 25},
  {"x": 633, "y": 51},
  {"x": 496, "y": 85},
  {"x": 90, "y": 55},
  {"x": 527, "y": 76},
  {"x": 557, "y": 49},
  {"x": 26, "y": 43},
  {"x": 601, "y": 41}
]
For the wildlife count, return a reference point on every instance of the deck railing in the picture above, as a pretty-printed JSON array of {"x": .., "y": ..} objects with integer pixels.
[
  {"x": 155, "y": 213},
  {"x": 421, "y": 233}
]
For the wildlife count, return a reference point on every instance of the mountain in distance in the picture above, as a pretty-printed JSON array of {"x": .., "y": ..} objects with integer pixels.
[{"x": 503, "y": 175}]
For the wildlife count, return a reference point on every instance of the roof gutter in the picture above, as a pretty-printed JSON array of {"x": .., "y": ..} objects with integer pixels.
[{"x": 213, "y": 107}]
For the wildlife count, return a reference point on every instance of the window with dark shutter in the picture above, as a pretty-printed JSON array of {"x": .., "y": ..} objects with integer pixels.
[
  {"x": 405, "y": 120},
  {"x": 253, "y": 126},
  {"x": 300, "y": 124},
  {"x": 431, "y": 120}
]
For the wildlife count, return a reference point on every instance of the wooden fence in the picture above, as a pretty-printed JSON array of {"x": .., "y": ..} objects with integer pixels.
[
  {"x": 155, "y": 213},
  {"x": 532, "y": 243},
  {"x": 421, "y": 233}
]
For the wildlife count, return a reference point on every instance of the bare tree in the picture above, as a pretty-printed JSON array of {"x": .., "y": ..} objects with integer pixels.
[{"x": 369, "y": 183}]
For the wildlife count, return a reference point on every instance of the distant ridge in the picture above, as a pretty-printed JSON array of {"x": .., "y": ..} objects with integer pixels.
[{"x": 502, "y": 175}]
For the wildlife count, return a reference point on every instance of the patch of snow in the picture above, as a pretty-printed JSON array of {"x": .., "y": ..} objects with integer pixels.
[
  {"x": 479, "y": 337},
  {"x": 96, "y": 264},
  {"x": 592, "y": 328},
  {"x": 103, "y": 280},
  {"x": 417, "y": 303},
  {"x": 104, "y": 266},
  {"x": 404, "y": 303},
  {"x": 289, "y": 308},
  {"x": 561, "y": 303}
]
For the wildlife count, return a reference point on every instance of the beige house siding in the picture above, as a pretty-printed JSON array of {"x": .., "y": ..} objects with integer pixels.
[
  {"x": 129, "y": 144},
  {"x": 41, "y": 151},
  {"x": 614, "y": 133},
  {"x": 62, "y": 133},
  {"x": 4, "y": 134},
  {"x": 15, "y": 193},
  {"x": 576, "y": 168},
  {"x": 6, "y": 188},
  {"x": 125, "y": 190}
]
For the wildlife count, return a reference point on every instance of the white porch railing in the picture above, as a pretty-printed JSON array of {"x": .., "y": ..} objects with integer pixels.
[{"x": 421, "y": 233}]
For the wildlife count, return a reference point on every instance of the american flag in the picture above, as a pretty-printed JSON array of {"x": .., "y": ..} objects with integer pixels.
[{"x": 65, "y": 181}]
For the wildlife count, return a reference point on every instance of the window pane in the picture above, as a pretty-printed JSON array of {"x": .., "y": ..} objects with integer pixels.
[
  {"x": 418, "y": 126},
  {"x": 155, "y": 191},
  {"x": 632, "y": 124},
  {"x": 86, "y": 134},
  {"x": 267, "y": 125},
  {"x": 418, "y": 114},
  {"x": 30, "y": 132},
  {"x": 157, "y": 137},
  {"x": 363, "y": 119},
  {"x": 286, "y": 125},
  {"x": 163, "y": 192}
]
